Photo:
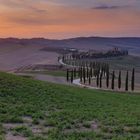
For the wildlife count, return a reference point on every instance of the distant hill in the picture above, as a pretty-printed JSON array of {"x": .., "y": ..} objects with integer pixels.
[{"x": 99, "y": 43}]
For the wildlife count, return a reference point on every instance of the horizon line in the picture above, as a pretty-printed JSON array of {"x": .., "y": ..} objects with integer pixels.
[{"x": 70, "y": 37}]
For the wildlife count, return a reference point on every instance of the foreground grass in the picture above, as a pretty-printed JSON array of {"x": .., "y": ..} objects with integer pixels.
[{"x": 67, "y": 112}]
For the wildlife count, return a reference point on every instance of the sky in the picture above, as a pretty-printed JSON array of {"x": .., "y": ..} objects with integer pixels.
[{"x": 69, "y": 18}]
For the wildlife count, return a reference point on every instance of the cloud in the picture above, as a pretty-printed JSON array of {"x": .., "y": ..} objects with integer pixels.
[
  {"x": 105, "y": 7},
  {"x": 37, "y": 10},
  {"x": 23, "y": 5}
]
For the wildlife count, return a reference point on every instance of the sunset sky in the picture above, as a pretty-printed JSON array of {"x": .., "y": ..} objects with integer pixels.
[{"x": 69, "y": 18}]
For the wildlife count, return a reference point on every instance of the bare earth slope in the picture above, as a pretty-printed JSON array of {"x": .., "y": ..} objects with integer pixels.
[{"x": 12, "y": 57}]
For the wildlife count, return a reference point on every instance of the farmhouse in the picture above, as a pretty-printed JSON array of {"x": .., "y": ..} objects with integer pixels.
[{"x": 115, "y": 52}]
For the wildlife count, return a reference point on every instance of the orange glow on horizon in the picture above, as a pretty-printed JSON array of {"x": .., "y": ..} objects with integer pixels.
[{"x": 54, "y": 21}]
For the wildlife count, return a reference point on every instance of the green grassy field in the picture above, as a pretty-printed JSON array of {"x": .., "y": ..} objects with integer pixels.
[{"x": 64, "y": 112}]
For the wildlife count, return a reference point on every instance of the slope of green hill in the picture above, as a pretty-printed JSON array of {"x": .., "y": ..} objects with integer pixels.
[{"x": 38, "y": 110}]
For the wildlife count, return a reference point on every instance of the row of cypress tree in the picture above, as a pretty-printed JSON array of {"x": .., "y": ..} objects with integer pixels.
[
  {"x": 86, "y": 74},
  {"x": 86, "y": 70}
]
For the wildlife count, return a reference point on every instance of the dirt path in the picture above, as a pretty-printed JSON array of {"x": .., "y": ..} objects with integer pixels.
[{"x": 78, "y": 83}]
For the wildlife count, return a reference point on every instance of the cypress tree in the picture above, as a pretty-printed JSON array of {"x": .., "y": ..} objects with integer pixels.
[
  {"x": 107, "y": 78},
  {"x": 71, "y": 76},
  {"x": 89, "y": 79},
  {"x": 97, "y": 79},
  {"x": 113, "y": 80},
  {"x": 84, "y": 75},
  {"x": 126, "y": 82},
  {"x": 87, "y": 73},
  {"x": 58, "y": 58},
  {"x": 67, "y": 74},
  {"x": 91, "y": 72},
  {"x": 119, "y": 80},
  {"x": 81, "y": 74},
  {"x": 133, "y": 80},
  {"x": 101, "y": 75}
]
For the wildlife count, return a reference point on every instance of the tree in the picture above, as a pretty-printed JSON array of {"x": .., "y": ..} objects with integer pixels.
[
  {"x": 87, "y": 73},
  {"x": 97, "y": 79},
  {"x": 101, "y": 75},
  {"x": 64, "y": 58},
  {"x": 113, "y": 80},
  {"x": 67, "y": 74},
  {"x": 84, "y": 75},
  {"x": 119, "y": 80},
  {"x": 126, "y": 82},
  {"x": 91, "y": 72},
  {"x": 71, "y": 76},
  {"x": 107, "y": 79},
  {"x": 133, "y": 80},
  {"x": 89, "y": 79},
  {"x": 81, "y": 74},
  {"x": 58, "y": 58}
]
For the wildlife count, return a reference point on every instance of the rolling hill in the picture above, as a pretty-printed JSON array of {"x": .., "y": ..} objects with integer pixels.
[
  {"x": 16, "y": 53},
  {"x": 130, "y": 43}
]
